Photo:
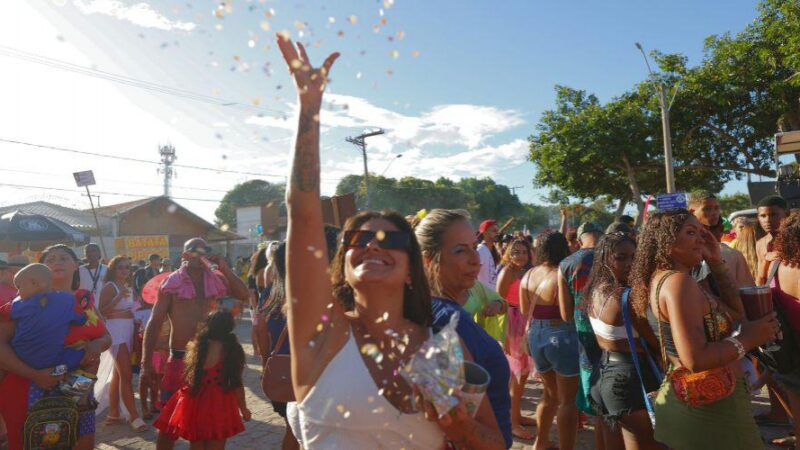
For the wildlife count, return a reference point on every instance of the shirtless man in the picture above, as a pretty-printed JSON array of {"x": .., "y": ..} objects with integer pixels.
[{"x": 186, "y": 314}]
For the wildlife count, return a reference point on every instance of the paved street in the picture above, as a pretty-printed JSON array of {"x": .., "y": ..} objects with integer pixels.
[{"x": 265, "y": 431}]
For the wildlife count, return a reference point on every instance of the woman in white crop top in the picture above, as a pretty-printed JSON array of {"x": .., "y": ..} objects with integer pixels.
[
  {"x": 114, "y": 377},
  {"x": 351, "y": 330},
  {"x": 617, "y": 394}
]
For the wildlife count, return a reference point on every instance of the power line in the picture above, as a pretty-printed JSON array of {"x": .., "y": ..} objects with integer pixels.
[
  {"x": 137, "y": 183},
  {"x": 128, "y": 158},
  {"x": 129, "y": 81},
  {"x": 49, "y": 188}
]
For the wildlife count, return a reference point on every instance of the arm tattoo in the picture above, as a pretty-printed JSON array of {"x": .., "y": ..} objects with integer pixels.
[{"x": 305, "y": 167}]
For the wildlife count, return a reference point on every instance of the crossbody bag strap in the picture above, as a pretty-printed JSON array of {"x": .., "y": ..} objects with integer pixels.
[
  {"x": 773, "y": 271},
  {"x": 280, "y": 341},
  {"x": 664, "y": 359},
  {"x": 626, "y": 318}
]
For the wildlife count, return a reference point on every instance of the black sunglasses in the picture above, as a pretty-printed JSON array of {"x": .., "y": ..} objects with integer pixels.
[
  {"x": 387, "y": 240},
  {"x": 198, "y": 250}
]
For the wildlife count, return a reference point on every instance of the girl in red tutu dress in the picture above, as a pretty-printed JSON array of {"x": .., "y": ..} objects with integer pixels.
[{"x": 206, "y": 410}]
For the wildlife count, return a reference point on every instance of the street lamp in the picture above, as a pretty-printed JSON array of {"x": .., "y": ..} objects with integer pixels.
[
  {"x": 665, "y": 106},
  {"x": 390, "y": 163}
]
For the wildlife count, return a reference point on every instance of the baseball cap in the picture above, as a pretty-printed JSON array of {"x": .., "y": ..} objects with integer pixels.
[
  {"x": 589, "y": 227},
  {"x": 485, "y": 225},
  {"x": 18, "y": 261}
]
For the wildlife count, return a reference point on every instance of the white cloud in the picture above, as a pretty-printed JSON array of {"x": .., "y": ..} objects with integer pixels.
[
  {"x": 141, "y": 14},
  {"x": 458, "y": 124}
]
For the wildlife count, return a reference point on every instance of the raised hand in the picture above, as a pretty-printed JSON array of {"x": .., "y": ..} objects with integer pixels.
[{"x": 309, "y": 80}]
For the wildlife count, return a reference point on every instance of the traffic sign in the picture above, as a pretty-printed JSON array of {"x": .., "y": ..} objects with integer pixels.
[
  {"x": 674, "y": 200},
  {"x": 85, "y": 178}
]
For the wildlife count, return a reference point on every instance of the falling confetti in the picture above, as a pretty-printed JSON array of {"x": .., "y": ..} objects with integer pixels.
[
  {"x": 388, "y": 3},
  {"x": 265, "y": 25},
  {"x": 269, "y": 13},
  {"x": 358, "y": 76},
  {"x": 251, "y": 43},
  {"x": 331, "y": 19},
  {"x": 319, "y": 327},
  {"x": 340, "y": 33},
  {"x": 415, "y": 54},
  {"x": 401, "y": 35},
  {"x": 299, "y": 25},
  {"x": 352, "y": 19},
  {"x": 394, "y": 54}
]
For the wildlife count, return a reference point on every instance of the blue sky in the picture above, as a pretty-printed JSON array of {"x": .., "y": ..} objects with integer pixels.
[{"x": 459, "y": 86}]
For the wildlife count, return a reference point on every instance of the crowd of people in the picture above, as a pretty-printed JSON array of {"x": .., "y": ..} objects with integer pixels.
[{"x": 651, "y": 333}]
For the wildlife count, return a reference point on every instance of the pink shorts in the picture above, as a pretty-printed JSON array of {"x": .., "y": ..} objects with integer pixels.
[{"x": 160, "y": 361}]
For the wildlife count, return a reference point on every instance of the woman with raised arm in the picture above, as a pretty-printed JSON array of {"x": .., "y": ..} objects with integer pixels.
[
  {"x": 352, "y": 331},
  {"x": 703, "y": 402}
]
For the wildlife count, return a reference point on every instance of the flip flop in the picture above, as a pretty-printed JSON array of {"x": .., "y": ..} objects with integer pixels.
[
  {"x": 138, "y": 425},
  {"x": 787, "y": 441},
  {"x": 113, "y": 420}
]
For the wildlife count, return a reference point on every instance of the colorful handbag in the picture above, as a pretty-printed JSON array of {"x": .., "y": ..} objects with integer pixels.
[{"x": 695, "y": 388}]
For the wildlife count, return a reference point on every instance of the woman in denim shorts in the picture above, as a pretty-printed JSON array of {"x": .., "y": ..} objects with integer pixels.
[{"x": 553, "y": 342}]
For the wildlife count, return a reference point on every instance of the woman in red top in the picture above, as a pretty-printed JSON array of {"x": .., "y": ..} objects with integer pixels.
[
  {"x": 786, "y": 290},
  {"x": 23, "y": 385},
  {"x": 516, "y": 261}
]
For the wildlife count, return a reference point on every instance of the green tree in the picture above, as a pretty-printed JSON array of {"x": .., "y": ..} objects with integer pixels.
[
  {"x": 734, "y": 202},
  {"x": 249, "y": 192}
]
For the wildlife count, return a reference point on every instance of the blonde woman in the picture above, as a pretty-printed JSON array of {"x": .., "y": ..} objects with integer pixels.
[{"x": 746, "y": 243}]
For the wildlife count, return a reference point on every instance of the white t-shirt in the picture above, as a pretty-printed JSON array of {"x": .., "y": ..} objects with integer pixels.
[
  {"x": 488, "y": 273},
  {"x": 92, "y": 280}
]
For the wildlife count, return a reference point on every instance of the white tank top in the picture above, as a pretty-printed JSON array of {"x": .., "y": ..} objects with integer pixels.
[
  {"x": 127, "y": 303},
  {"x": 344, "y": 410}
]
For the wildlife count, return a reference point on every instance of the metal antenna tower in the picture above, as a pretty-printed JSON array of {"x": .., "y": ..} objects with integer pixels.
[{"x": 168, "y": 157}]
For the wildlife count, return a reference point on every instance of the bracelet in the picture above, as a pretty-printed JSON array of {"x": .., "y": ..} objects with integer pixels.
[{"x": 739, "y": 347}]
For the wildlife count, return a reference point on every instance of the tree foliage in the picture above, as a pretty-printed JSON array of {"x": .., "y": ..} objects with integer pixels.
[
  {"x": 724, "y": 115},
  {"x": 249, "y": 192},
  {"x": 482, "y": 197}
]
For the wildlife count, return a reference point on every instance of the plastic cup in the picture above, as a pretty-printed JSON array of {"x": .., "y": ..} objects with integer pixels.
[
  {"x": 476, "y": 380},
  {"x": 757, "y": 301}
]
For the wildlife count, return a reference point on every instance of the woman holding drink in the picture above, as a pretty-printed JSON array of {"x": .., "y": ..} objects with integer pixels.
[
  {"x": 703, "y": 402},
  {"x": 344, "y": 325},
  {"x": 786, "y": 291}
]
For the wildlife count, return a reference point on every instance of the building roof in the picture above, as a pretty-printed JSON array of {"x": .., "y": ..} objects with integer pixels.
[
  {"x": 77, "y": 218},
  {"x": 214, "y": 233}
]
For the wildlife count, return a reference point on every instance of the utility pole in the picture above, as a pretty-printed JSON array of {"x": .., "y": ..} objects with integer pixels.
[
  {"x": 514, "y": 189},
  {"x": 665, "y": 107},
  {"x": 360, "y": 142},
  {"x": 168, "y": 157}
]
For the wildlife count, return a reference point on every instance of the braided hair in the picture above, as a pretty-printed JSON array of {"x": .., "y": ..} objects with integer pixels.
[
  {"x": 652, "y": 254},
  {"x": 602, "y": 282},
  {"x": 218, "y": 327}
]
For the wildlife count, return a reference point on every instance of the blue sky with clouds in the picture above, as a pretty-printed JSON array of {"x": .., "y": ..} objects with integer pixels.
[{"x": 458, "y": 85}]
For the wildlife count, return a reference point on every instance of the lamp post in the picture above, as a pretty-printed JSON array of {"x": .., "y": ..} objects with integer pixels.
[
  {"x": 665, "y": 106},
  {"x": 391, "y": 162}
]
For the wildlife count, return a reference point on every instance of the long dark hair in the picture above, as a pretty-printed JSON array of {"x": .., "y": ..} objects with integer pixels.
[
  {"x": 258, "y": 261},
  {"x": 659, "y": 235},
  {"x": 218, "y": 327},
  {"x": 602, "y": 282},
  {"x": 76, "y": 276},
  {"x": 416, "y": 298},
  {"x": 553, "y": 248},
  {"x": 277, "y": 293}
]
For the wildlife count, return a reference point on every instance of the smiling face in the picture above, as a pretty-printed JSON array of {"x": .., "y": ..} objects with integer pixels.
[
  {"x": 459, "y": 262},
  {"x": 374, "y": 265},
  {"x": 519, "y": 255},
  {"x": 688, "y": 247}
]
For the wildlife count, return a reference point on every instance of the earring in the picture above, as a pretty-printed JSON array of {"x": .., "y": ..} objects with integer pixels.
[{"x": 409, "y": 286}]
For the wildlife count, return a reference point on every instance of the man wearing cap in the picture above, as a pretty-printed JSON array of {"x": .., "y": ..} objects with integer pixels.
[
  {"x": 573, "y": 274},
  {"x": 7, "y": 271},
  {"x": 487, "y": 232}
]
